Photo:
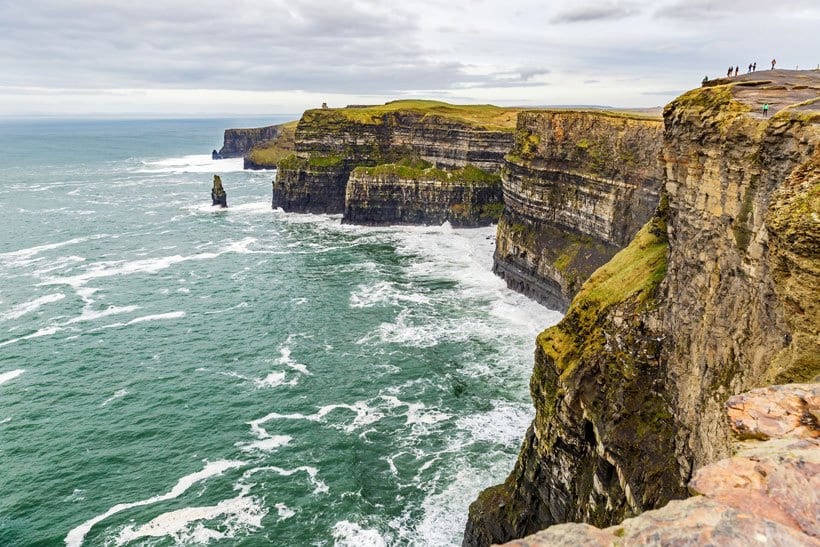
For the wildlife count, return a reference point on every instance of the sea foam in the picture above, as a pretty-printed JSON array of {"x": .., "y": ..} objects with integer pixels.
[{"x": 76, "y": 536}]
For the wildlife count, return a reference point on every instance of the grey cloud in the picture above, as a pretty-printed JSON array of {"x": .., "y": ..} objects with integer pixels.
[
  {"x": 700, "y": 10},
  {"x": 316, "y": 45},
  {"x": 599, "y": 11}
]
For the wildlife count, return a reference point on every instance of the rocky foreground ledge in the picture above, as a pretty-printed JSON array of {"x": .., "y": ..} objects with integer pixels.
[{"x": 768, "y": 493}]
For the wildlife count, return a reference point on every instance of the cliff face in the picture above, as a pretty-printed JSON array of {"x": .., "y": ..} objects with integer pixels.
[
  {"x": 714, "y": 296},
  {"x": 445, "y": 136},
  {"x": 766, "y": 493},
  {"x": 237, "y": 142},
  {"x": 577, "y": 187},
  {"x": 383, "y": 196}
]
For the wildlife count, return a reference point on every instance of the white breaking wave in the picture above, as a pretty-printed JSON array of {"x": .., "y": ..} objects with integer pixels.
[
  {"x": 117, "y": 395},
  {"x": 350, "y": 534},
  {"x": 365, "y": 415},
  {"x": 11, "y": 375},
  {"x": 284, "y": 511},
  {"x": 157, "y": 317},
  {"x": 504, "y": 424},
  {"x": 27, "y": 307},
  {"x": 267, "y": 444},
  {"x": 46, "y": 331},
  {"x": 384, "y": 292},
  {"x": 76, "y": 536},
  {"x": 195, "y": 163},
  {"x": 242, "y": 514}
]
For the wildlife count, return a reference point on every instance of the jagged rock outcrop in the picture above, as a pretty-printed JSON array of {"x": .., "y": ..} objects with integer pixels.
[
  {"x": 218, "y": 194},
  {"x": 237, "y": 142},
  {"x": 768, "y": 492},
  {"x": 330, "y": 143},
  {"x": 391, "y": 194},
  {"x": 577, "y": 187},
  {"x": 629, "y": 388}
]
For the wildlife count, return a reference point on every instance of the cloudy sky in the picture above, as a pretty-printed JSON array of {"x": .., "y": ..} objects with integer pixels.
[{"x": 194, "y": 57}]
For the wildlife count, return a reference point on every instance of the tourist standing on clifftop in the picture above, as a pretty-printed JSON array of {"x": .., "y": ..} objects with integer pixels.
[
  {"x": 729, "y": 72},
  {"x": 774, "y": 62},
  {"x": 737, "y": 69},
  {"x": 754, "y": 66},
  {"x": 766, "y": 110}
]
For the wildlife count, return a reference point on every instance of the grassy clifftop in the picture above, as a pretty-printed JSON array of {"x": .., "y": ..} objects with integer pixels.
[
  {"x": 482, "y": 116},
  {"x": 269, "y": 153}
]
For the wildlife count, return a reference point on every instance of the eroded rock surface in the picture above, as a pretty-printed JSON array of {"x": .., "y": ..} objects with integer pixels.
[
  {"x": 577, "y": 187},
  {"x": 766, "y": 494}
]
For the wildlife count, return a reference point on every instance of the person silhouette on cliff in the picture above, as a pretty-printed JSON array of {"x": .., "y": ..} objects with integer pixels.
[
  {"x": 774, "y": 62},
  {"x": 754, "y": 66},
  {"x": 766, "y": 110},
  {"x": 737, "y": 69},
  {"x": 729, "y": 72}
]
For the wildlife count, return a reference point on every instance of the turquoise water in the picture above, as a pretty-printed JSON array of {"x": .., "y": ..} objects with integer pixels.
[{"x": 172, "y": 374}]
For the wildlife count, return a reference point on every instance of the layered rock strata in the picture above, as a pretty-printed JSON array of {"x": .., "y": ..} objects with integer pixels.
[
  {"x": 577, "y": 187},
  {"x": 237, "y": 142},
  {"x": 330, "y": 143},
  {"x": 767, "y": 493},
  {"x": 391, "y": 195},
  {"x": 716, "y": 295}
]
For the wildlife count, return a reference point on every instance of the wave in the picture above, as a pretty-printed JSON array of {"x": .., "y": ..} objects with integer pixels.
[
  {"x": 242, "y": 514},
  {"x": 27, "y": 307},
  {"x": 11, "y": 375},
  {"x": 46, "y": 331},
  {"x": 195, "y": 163},
  {"x": 350, "y": 534},
  {"x": 75, "y": 537},
  {"x": 117, "y": 395},
  {"x": 157, "y": 317}
]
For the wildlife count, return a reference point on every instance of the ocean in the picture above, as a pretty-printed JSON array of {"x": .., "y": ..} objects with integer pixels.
[{"x": 175, "y": 374}]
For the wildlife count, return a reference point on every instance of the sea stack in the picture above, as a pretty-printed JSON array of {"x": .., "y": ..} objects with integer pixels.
[{"x": 218, "y": 194}]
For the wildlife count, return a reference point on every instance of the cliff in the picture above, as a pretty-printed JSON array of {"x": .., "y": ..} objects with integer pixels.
[
  {"x": 716, "y": 295},
  {"x": 267, "y": 154},
  {"x": 767, "y": 492},
  {"x": 398, "y": 194},
  {"x": 577, "y": 186},
  {"x": 237, "y": 142},
  {"x": 330, "y": 143}
]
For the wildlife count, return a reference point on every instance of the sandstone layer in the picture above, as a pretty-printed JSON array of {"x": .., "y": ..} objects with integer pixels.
[
  {"x": 716, "y": 295},
  {"x": 384, "y": 196},
  {"x": 767, "y": 493},
  {"x": 577, "y": 187}
]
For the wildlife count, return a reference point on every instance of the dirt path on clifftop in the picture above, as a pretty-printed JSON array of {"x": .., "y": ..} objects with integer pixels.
[{"x": 798, "y": 89}]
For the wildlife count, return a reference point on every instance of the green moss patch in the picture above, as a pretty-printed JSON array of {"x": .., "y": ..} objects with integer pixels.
[
  {"x": 270, "y": 153},
  {"x": 633, "y": 274},
  {"x": 466, "y": 175}
]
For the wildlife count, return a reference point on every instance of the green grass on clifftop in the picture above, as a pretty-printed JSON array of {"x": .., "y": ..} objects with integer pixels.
[
  {"x": 632, "y": 274},
  {"x": 468, "y": 174},
  {"x": 271, "y": 152},
  {"x": 481, "y": 116}
]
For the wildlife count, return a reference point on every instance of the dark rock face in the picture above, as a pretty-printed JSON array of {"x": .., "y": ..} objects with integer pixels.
[
  {"x": 238, "y": 142},
  {"x": 218, "y": 194},
  {"x": 302, "y": 188},
  {"x": 765, "y": 493},
  {"x": 389, "y": 199},
  {"x": 577, "y": 187},
  {"x": 710, "y": 299}
]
